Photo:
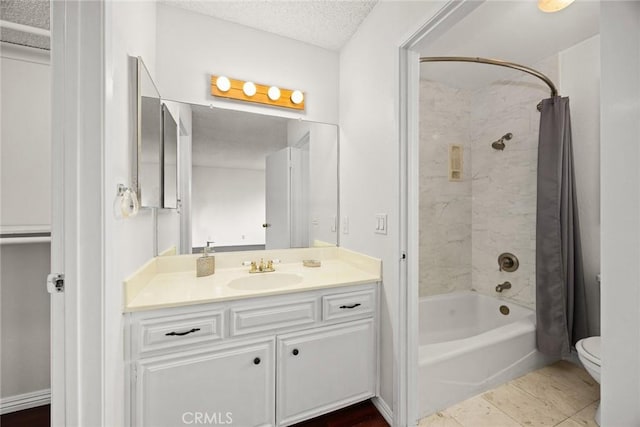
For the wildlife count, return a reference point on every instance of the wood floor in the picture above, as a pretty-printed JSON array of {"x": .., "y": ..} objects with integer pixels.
[
  {"x": 359, "y": 415},
  {"x": 34, "y": 417},
  {"x": 362, "y": 414}
]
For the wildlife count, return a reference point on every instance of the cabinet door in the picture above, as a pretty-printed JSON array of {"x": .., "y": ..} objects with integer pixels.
[
  {"x": 231, "y": 386},
  {"x": 324, "y": 370}
]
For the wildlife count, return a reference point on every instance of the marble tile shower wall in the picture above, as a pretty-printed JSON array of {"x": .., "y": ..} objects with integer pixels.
[
  {"x": 445, "y": 207},
  {"x": 464, "y": 226},
  {"x": 504, "y": 182}
]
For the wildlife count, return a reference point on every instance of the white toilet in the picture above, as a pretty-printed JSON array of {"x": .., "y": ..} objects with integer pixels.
[{"x": 589, "y": 354}]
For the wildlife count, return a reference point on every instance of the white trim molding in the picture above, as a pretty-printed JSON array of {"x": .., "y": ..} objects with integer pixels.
[
  {"x": 25, "y": 53},
  {"x": 20, "y": 402},
  {"x": 406, "y": 393},
  {"x": 383, "y": 408}
]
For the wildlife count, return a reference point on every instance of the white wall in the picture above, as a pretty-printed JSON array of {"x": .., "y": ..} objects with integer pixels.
[
  {"x": 228, "y": 206},
  {"x": 620, "y": 212},
  {"x": 24, "y": 345},
  {"x": 130, "y": 29},
  {"x": 192, "y": 47},
  {"x": 25, "y": 205},
  {"x": 580, "y": 81},
  {"x": 25, "y": 141},
  {"x": 369, "y": 150}
]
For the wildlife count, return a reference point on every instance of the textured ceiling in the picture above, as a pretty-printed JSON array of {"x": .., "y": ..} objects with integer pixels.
[
  {"x": 325, "y": 23},
  {"x": 514, "y": 31},
  {"x": 235, "y": 139},
  {"x": 328, "y": 24},
  {"x": 34, "y": 13}
]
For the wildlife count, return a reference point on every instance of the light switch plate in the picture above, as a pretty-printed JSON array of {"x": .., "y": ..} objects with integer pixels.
[{"x": 381, "y": 224}]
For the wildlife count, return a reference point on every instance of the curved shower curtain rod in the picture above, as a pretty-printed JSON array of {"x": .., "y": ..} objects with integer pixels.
[{"x": 528, "y": 70}]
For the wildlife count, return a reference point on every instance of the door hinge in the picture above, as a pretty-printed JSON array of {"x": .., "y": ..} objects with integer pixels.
[{"x": 55, "y": 283}]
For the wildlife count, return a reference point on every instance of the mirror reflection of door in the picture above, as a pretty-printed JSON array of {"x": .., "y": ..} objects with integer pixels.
[
  {"x": 253, "y": 170},
  {"x": 278, "y": 199}
]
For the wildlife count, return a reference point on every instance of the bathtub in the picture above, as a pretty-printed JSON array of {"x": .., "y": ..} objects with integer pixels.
[{"x": 468, "y": 346}]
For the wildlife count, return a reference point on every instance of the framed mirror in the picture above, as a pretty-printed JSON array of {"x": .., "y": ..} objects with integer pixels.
[
  {"x": 148, "y": 176},
  {"x": 256, "y": 181}
]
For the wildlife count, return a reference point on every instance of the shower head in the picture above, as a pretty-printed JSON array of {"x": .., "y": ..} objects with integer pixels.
[{"x": 499, "y": 144}]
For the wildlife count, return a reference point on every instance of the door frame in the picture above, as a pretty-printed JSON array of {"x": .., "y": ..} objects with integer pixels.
[
  {"x": 406, "y": 392},
  {"x": 77, "y": 235}
]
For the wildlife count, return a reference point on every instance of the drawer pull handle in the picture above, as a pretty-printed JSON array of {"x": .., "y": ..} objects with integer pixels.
[
  {"x": 295, "y": 352},
  {"x": 351, "y": 306},
  {"x": 256, "y": 361},
  {"x": 179, "y": 334}
]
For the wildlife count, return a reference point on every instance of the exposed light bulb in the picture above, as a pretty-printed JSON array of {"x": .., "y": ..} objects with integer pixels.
[
  {"x": 223, "y": 84},
  {"x": 249, "y": 88},
  {"x": 297, "y": 97},
  {"x": 553, "y": 5},
  {"x": 273, "y": 93}
]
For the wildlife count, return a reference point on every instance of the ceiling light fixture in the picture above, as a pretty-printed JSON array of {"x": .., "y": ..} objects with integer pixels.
[
  {"x": 273, "y": 93},
  {"x": 550, "y": 6},
  {"x": 247, "y": 91},
  {"x": 297, "y": 97},
  {"x": 223, "y": 84},
  {"x": 249, "y": 88}
]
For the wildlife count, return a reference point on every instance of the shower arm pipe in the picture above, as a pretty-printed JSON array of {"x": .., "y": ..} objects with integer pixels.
[{"x": 513, "y": 65}]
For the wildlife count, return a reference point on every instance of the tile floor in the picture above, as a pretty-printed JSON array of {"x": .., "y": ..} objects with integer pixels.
[{"x": 562, "y": 394}]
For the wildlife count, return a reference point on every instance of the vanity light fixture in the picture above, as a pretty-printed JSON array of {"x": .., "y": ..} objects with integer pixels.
[
  {"x": 240, "y": 90},
  {"x": 223, "y": 84},
  {"x": 249, "y": 88},
  {"x": 553, "y": 5},
  {"x": 273, "y": 93},
  {"x": 297, "y": 97}
]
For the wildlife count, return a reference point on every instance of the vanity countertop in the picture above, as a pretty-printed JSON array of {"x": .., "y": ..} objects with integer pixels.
[{"x": 171, "y": 281}]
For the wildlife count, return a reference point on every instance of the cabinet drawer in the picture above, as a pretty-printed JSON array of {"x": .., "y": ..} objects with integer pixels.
[
  {"x": 182, "y": 330},
  {"x": 248, "y": 320},
  {"x": 351, "y": 304}
]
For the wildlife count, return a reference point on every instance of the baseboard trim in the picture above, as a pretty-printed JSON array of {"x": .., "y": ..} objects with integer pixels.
[
  {"x": 25, "y": 401},
  {"x": 384, "y": 409}
]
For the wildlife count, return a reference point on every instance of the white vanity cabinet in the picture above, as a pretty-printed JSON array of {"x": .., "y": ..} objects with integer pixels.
[
  {"x": 324, "y": 369},
  {"x": 269, "y": 361},
  {"x": 223, "y": 385}
]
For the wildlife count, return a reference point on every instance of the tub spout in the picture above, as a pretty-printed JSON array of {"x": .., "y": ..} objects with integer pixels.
[{"x": 502, "y": 286}]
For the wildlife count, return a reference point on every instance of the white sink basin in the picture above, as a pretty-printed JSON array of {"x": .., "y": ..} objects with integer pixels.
[{"x": 259, "y": 281}]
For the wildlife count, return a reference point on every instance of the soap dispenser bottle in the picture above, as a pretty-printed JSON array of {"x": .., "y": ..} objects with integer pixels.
[{"x": 205, "y": 265}]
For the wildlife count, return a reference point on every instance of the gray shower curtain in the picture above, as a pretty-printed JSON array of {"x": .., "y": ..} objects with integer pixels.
[{"x": 561, "y": 310}]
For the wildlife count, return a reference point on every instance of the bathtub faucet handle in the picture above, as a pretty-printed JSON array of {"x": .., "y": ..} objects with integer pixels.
[{"x": 502, "y": 286}]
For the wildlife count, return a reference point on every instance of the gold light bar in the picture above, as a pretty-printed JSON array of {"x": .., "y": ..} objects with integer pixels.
[{"x": 261, "y": 96}]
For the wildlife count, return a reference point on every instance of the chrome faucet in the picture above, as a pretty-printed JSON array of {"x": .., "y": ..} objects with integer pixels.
[{"x": 502, "y": 286}]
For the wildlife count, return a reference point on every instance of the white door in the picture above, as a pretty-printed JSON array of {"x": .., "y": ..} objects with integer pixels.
[
  {"x": 278, "y": 200},
  {"x": 231, "y": 386},
  {"x": 325, "y": 369}
]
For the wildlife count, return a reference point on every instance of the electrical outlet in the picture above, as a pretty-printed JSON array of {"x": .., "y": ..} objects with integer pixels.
[
  {"x": 381, "y": 223},
  {"x": 345, "y": 225}
]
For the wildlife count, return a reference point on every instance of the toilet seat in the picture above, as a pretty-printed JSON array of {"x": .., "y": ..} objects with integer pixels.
[{"x": 590, "y": 349}]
